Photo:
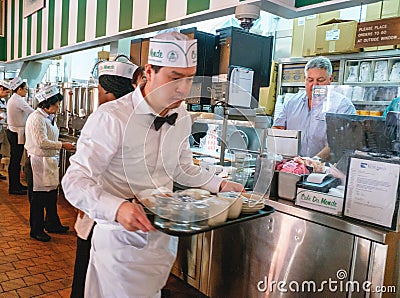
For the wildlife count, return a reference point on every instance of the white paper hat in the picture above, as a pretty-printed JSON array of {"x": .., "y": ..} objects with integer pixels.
[
  {"x": 15, "y": 82},
  {"x": 4, "y": 84},
  {"x": 173, "y": 53},
  {"x": 117, "y": 68},
  {"x": 46, "y": 93}
]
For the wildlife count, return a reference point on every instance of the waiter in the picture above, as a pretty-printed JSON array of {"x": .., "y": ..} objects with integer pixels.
[
  {"x": 18, "y": 111},
  {"x": 124, "y": 151},
  {"x": 115, "y": 80}
]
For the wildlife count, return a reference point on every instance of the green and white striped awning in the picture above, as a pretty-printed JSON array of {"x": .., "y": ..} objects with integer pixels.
[{"x": 64, "y": 23}]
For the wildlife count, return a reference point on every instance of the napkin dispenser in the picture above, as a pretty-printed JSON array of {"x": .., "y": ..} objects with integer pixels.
[{"x": 283, "y": 142}]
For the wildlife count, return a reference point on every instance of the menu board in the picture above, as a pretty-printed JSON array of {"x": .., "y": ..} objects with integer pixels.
[{"x": 372, "y": 191}]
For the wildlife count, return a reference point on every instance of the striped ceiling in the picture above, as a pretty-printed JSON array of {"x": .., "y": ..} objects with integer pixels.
[{"x": 63, "y": 23}]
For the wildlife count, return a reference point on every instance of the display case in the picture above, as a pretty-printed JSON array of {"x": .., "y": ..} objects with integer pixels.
[{"x": 372, "y": 78}]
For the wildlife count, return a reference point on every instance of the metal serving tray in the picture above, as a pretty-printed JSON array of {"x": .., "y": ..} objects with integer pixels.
[{"x": 267, "y": 210}]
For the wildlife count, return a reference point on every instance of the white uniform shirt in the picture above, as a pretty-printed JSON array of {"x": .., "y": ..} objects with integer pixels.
[
  {"x": 120, "y": 137},
  {"x": 18, "y": 111}
]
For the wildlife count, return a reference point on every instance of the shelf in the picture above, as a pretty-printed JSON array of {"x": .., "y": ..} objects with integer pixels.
[
  {"x": 293, "y": 84},
  {"x": 372, "y": 103},
  {"x": 336, "y": 57},
  {"x": 373, "y": 84}
]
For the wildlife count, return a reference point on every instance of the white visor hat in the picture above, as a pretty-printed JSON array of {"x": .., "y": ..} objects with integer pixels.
[
  {"x": 117, "y": 68},
  {"x": 4, "y": 84},
  {"x": 15, "y": 82},
  {"x": 173, "y": 53},
  {"x": 47, "y": 92}
]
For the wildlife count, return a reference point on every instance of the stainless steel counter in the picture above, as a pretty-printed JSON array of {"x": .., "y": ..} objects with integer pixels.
[
  {"x": 338, "y": 223},
  {"x": 293, "y": 245}
]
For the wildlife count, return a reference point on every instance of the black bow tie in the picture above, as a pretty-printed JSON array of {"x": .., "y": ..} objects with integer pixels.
[{"x": 159, "y": 121}]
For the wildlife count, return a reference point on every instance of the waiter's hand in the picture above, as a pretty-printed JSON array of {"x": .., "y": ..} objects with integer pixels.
[
  {"x": 68, "y": 146},
  {"x": 227, "y": 185},
  {"x": 132, "y": 217}
]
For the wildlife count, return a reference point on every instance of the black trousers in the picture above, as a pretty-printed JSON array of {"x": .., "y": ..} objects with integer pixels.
[
  {"x": 81, "y": 265},
  {"x": 14, "y": 168},
  {"x": 40, "y": 200}
]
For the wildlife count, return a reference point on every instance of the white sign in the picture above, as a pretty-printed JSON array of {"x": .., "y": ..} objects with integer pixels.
[
  {"x": 332, "y": 34},
  {"x": 371, "y": 191}
]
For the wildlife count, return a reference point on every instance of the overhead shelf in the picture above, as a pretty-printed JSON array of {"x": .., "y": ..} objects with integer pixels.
[{"x": 372, "y": 103}]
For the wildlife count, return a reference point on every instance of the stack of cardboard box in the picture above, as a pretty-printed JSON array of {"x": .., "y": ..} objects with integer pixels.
[
  {"x": 304, "y": 33},
  {"x": 325, "y": 33}
]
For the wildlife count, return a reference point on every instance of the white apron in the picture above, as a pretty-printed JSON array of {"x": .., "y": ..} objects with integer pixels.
[
  {"x": 45, "y": 172},
  {"x": 83, "y": 226},
  {"x": 136, "y": 268},
  {"x": 21, "y": 135}
]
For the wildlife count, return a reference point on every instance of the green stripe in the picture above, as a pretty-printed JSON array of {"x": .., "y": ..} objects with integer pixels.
[
  {"x": 125, "y": 15},
  {"x": 29, "y": 36},
  {"x": 194, "y": 6},
  {"x": 12, "y": 37},
  {"x": 301, "y": 3},
  {"x": 3, "y": 50},
  {"x": 81, "y": 26},
  {"x": 157, "y": 11},
  {"x": 64, "y": 22},
  {"x": 101, "y": 18},
  {"x": 39, "y": 32},
  {"x": 50, "y": 31},
  {"x": 20, "y": 29}
]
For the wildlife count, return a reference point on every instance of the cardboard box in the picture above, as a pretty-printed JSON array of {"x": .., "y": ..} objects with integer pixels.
[
  {"x": 310, "y": 29},
  {"x": 382, "y": 10},
  {"x": 319, "y": 201},
  {"x": 293, "y": 73},
  {"x": 390, "y": 8},
  {"x": 373, "y": 13},
  {"x": 267, "y": 97},
  {"x": 297, "y": 37},
  {"x": 336, "y": 36}
]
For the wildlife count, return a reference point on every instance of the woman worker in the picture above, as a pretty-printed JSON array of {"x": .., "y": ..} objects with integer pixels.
[
  {"x": 43, "y": 150},
  {"x": 115, "y": 80}
]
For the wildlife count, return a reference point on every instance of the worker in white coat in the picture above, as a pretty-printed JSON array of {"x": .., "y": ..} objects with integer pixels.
[
  {"x": 18, "y": 111},
  {"x": 4, "y": 92},
  {"x": 124, "y": 151},
  {"x": 43, "y": 148}
]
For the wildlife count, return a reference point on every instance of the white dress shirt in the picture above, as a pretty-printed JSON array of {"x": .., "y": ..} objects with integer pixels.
[
  {"x": 119, "y": 155},
  {"x": 18, "y": 111}
]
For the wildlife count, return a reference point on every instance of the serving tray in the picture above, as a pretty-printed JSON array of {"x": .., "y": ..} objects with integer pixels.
[{"x": 171, "y": 228}]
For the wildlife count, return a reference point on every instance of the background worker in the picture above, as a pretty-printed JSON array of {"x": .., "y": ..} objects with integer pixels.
[
  {"x": 114, "y": 82},
  {"x": 301, "y": 113},
  {"x": 43, "y": 148},
  {"x": 124, "y": 151},
  {"x": 4, "y": 92},
  {"x": 18, "y": 111}
]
